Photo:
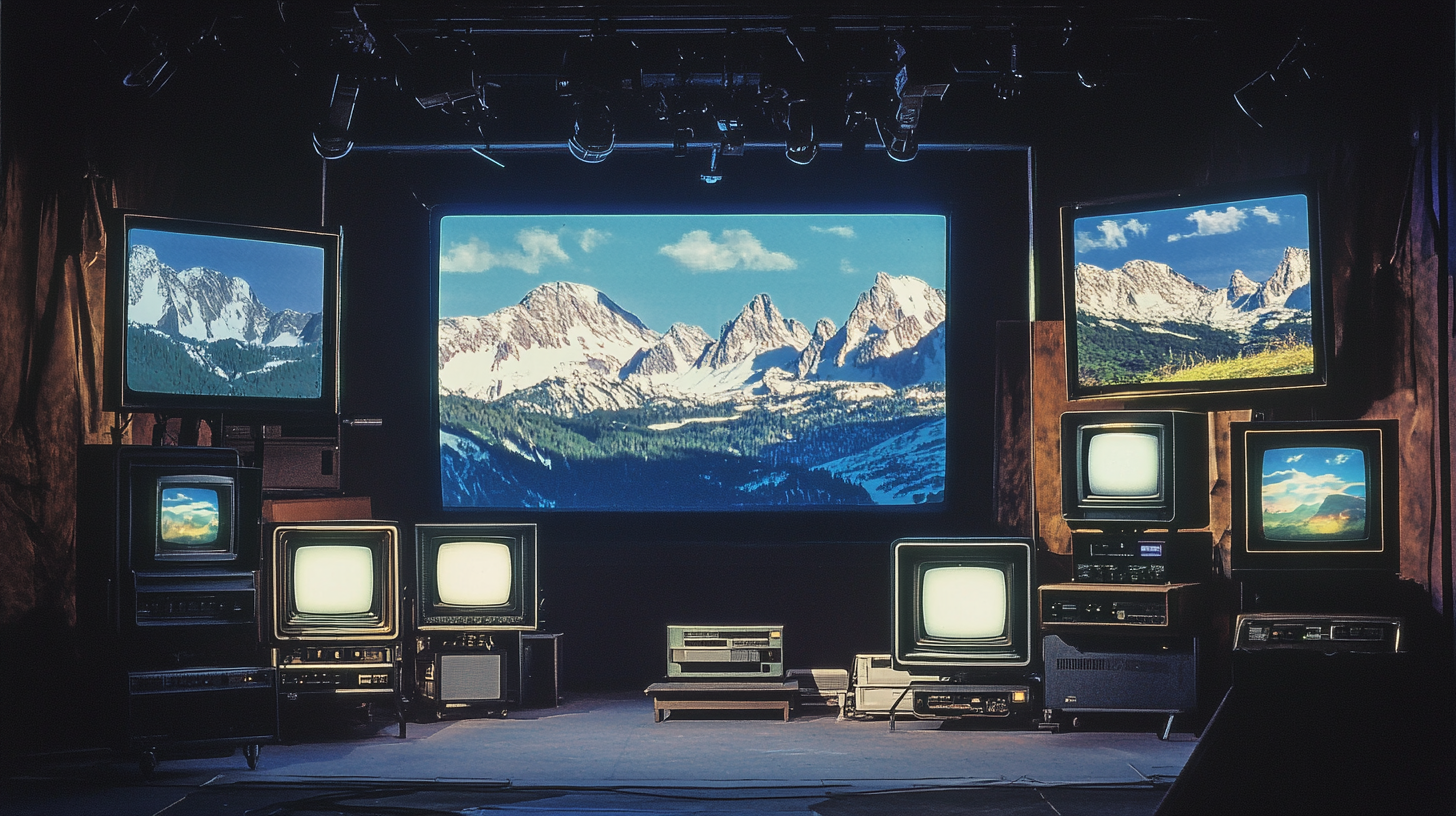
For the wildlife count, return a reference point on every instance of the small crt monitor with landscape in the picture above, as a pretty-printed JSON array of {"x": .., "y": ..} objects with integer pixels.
[
  {"x": 1209, "y": 290},
  {"x": 1135, "y": 469},
  {"x": 1316, "y": 496},
  {"x": 476, "y": 576},
  {"x": 961, "y": 603},
  {"x": 194, "y": 518},
  {"x": 336, "y": 581}
]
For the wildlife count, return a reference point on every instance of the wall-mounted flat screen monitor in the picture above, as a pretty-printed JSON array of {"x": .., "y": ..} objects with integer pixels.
[
  {"x": 476, "y": 576},
  {"x": 193, "y": 517},
  {"x": 673, "y": 362},
  {"x": 1209, "y": 290},
  {"x": 335, "y": 580},
  {"x": 961, "y": 604},
  {"x": 1316, "y": 496},
  {"x": 221, "y": 317},
  {"x": 1135, "y": 469}
]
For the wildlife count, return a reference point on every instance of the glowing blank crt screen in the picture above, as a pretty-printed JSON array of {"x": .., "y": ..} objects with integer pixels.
[
  {"x": 963, "y": 603},
  {"x": 473, "y": 573},
  {"x": 188, "y": 518},
  {"x": 333, "y": 579},
  {"x": 1314, "y": 494},
  {"x": 1123, "y": 465}
]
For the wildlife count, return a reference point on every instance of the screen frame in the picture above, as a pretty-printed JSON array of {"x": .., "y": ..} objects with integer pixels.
[
  {"x": 1321, "y": 325},
  {"x": 382, "y": 538},
  {"x": 1183, "y": 464},
  {"x": 913, "y": 652},
  {"x": 522, "y": 610},
  {"x": 1378, "y": 439},
  {"x": 239, "y": 518},
  {"x": 118, "y": 395},
  {"x": 944, "y": 209}
]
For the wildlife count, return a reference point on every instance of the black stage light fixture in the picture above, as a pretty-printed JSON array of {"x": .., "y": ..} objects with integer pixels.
[
  {"x": 1272, "y": 93},
  {"x": 331, "y": 140},
  {"x": 898, "y": 134},
  {"x": 595, "y": 134},
  {"x": 800, "y": 147},
  {"x": 680, "y": 139}
]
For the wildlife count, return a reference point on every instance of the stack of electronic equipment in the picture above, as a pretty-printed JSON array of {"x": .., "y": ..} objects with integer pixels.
[
  {"x": 167, "y": 580},
  {"x": 1124, "y": 634},
  {"x": 1315, "y": 547},
  {"x": 725, "y": 652}
]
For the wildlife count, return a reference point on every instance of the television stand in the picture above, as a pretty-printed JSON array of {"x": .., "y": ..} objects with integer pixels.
[{"x": 709, "y": 695}]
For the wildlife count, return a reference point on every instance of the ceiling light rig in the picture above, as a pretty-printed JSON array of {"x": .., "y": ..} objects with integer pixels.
[
  {"x": 897, "y": 133},
  {"x": 1273, "y": 94}
]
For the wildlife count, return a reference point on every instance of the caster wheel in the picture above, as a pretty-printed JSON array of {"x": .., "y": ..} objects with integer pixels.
[
  {"x": 251, "y": 753},
  {"x": 147, "y": 763}
]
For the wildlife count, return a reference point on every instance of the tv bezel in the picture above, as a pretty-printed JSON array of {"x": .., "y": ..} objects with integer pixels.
[
  {"x": 942, "y": 207},
  {"x": 145, "y": 496},
  {"x": 909, "y": 651},
  {"x": 1183, "y": 466},
  {"x": 386, "y": 581},
  {"x": 1321, "y": 329},
  {"x": 117, "y": 395},
  {"x": 525, "y": 593},
  {"x": 1377, "y": 438}
]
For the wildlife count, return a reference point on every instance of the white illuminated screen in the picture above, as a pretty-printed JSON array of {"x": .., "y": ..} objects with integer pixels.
[
  {"x": 1122, "y": 465},
  {"x": 473, "y": 573},
  {"x": 963, "y": 602},
  {"x": 333, "y": 579}
]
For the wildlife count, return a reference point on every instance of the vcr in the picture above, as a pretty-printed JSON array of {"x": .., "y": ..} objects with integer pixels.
[
  {"x": 1141, "y": 558},
  {"x": 1318, "y": 633},
  {"x": 1149, "y": 609},
  {"x": 338, "y": 669},
  {"x": 725, "y": 652}
]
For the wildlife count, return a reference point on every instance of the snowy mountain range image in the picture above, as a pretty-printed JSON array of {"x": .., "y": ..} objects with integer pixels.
[
  {"x": 566, "y": 399},
  {"x": 201, "y": 331},
  {"x": 1143, "y": 322}
]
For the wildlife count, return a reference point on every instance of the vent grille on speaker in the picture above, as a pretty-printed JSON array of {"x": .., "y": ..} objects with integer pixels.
[
  {"x": 471, "y": 677},
  {"x": 1082, "y": 664}
]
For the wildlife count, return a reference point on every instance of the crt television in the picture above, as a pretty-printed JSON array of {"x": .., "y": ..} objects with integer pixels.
[
  {"x": 1135, "y": 469},
  {"x": 962, "y": 603},
  {"x": 1209, "y": 290},
  {"x": 1316, "y": 496},
  {"x": 220, "y": 317},
  {"x": 335, "y": 580},
  {"x": 476, "y": 577},
  {"x": 188, "y": 518}
]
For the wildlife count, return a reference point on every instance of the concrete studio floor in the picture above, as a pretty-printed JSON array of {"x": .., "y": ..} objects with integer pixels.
[{"x": 604, "y": 755}]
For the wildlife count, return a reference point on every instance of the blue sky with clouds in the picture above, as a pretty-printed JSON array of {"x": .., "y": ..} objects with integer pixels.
[
  {"x": 1298, "y": 476},
  {"x": 1205, "y": 243},
  {"x": 697, "y": 269},
  {"x": 283, "y": 276}
]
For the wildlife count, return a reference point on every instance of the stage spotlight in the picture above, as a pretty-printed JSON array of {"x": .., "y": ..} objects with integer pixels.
[
  {"x": 1271, "y": 94},
  {"x": 800, "y": 146},
  {"x": 595, "y": 135},
  {"x": 898, "y": 135},
  {"x": 1008, "y": 85},
  {"x": 331, "y": 140},
  {"x": 680, "y": 139}
]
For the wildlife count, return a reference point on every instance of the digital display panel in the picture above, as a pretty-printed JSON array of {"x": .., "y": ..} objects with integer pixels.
[
  {"x": 961, "y": 603},
  {"x": 691, "y": 362},
  {"x": 1123, "y": 465},
  {"x": 1314, "y": 494},
  {"x": 473, "y": 573},
  {"x": 333, "y": 579}
]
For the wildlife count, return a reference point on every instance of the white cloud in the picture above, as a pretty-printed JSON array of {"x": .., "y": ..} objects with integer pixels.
[
  {"x": 1285, "y": 490},
  {"x": 1113, "y": 235},
  {"x": 1342, "y": 458},
  {"x": 846, "y": 267},
  {"x": 538, "y": 248},
  {"x": 1214, "y": 223},
  {"x": 1266, "y": 214},
  {"x": 842, "y": 232},
  {"x": 1295, "y": 458},
  {"x": 699, "y": 252},
  {"x": 591, "y": 238}
]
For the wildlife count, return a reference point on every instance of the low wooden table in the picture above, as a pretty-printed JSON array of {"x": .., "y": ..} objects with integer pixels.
[{"x": 722, "y": 695}]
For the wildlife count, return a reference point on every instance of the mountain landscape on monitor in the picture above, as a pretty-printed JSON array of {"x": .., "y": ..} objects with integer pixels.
[
  {"x": 1144, "y": 322},
  {"x": 565, "y": 399},
  {"x": 1314, "y": 494},
  {"x": 201, "y": 331}
]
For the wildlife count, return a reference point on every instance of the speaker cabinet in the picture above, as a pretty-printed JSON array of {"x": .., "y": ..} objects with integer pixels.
[{"x": 1088, "y": 674}]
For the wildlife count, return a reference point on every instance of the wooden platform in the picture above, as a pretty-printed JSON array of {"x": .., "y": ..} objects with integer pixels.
[{"x": 710, "y": 695}]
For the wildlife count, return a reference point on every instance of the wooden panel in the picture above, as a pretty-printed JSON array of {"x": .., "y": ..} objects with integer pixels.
[
  {"x": 1049, "y": 401},
  {"x": 1012, "y": 482},
  {"x": 331, "y": 508},
  {"x": 1220, "y": 515}
]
